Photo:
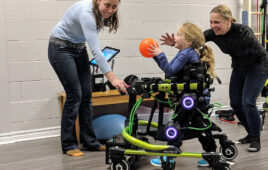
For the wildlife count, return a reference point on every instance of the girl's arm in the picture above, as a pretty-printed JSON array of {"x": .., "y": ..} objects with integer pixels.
[{"x": 173, "y": 67}]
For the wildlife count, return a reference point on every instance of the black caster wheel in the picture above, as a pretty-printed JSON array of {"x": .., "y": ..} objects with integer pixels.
[
  {"x": 229, "y": 152},
  {"x": 123, "y": 165},
  {"x": 167, "y": 165},
  {"x": 224, "y": 168}
]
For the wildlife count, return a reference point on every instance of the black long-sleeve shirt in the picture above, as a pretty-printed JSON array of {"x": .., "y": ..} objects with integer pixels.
[{"x": 241, "y": 44}]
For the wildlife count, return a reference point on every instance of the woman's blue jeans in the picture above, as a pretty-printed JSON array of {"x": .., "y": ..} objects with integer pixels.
[
  {"x": 245, "y": 86},
  {"x": 72, "y": 68}
]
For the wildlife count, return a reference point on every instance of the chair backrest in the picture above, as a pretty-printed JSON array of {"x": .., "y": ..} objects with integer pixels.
[{"x": 193, "y": 72}]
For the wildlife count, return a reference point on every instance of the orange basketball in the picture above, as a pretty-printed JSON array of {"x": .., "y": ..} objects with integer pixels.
[{"x": 144, "y": 45}]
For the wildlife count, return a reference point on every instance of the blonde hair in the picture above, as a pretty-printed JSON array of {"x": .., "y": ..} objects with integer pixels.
[
  {"x": 224, "y": 11},
  {"x": 111, "y": 22},
  {"x": 194, "y": 34}
]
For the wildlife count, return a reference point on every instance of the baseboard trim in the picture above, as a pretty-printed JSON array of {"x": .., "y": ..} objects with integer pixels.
[{"x": 20, "y": 136}]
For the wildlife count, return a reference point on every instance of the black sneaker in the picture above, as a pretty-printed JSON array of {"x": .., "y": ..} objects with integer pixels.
[
  {"x": 245, "y": 140},
  {"x": 262, "y": 114},
  {"x": 255, "y": 145}
]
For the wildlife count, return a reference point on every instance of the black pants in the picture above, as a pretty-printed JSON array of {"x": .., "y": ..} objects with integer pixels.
[
  {"x": 245, "y": 86},
  {"x": 205, "y": 138},
  {"x": 72, "y": 68}
]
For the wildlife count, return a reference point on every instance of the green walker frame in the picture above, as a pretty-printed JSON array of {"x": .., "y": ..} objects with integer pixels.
[{"x": 126, "y": 148}]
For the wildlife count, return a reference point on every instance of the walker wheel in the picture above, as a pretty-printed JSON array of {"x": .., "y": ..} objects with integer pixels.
[
  {"x": 225, "y": 168},
  {"x": 229, "y": 153},
  {"x": 168, "y": 166},
  {"x": 123, "y": 165}
]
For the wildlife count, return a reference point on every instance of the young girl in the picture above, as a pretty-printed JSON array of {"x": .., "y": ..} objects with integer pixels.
[{"x": 191, "y": 43}]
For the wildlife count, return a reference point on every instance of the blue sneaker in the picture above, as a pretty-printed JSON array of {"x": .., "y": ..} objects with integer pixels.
[
  {"x": 203, "y": 163},
  {"x": 157, "y": 161}
]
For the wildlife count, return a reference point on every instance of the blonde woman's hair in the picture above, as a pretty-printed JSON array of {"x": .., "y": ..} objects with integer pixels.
[
  {"x": 111, "y": 22},
  {"x": 224, "y": 11},
  {"x": 194, "y": 34}
]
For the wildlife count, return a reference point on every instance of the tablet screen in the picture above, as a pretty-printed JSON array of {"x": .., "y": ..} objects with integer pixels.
[{"x": 108, "y": 53}]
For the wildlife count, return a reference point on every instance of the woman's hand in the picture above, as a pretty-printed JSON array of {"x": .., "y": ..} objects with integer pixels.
[
  {"x": 120, "y": 85},
  {"x": 168, "y": 39},
  {"x": 154, "y": 49}
]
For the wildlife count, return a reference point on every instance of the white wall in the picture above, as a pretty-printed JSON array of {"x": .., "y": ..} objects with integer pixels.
[
  {"x": 5, "y": 121},
  {"x": 28, "y": 84}
]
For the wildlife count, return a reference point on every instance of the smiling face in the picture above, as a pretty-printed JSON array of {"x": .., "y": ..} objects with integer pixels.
[
  {"x": 219, "y": 24},
  {"x": 107, "y": 7},
  {"x": 180, "y": 41}
]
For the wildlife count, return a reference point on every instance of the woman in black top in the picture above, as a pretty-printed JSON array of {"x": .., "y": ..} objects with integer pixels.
[
  {"x": 249, "y": 62},
  {"x": 250, "y": 68}
]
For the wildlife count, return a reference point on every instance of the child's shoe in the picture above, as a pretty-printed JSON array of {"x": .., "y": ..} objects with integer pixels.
[
  {"x": 157, "y": 161},
  {"x": 203, "y": 163}
]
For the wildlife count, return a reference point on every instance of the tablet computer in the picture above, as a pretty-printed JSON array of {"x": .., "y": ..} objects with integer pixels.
[{"x": 108, "y": 52}]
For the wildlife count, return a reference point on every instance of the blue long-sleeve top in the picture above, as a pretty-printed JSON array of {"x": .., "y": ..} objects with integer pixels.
[
  {"x": 78, "y": 25},
  {"x": 187, "y": 55}
]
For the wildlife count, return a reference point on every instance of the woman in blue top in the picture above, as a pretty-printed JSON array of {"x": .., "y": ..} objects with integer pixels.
[
  {"x": 191, "y": 43},
  {"x": 68, "y": 56}
]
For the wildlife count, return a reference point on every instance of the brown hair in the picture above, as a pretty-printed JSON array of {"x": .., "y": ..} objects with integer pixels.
[
  {"x": 111, "y": 22},
  {"x": 194, "y": 34},
  {"x": 224, "y": 11}
]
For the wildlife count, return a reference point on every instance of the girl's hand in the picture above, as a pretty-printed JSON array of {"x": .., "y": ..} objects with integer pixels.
[
  {"x": 155, "y": 49},
  {"x": 168, "y": 39}
]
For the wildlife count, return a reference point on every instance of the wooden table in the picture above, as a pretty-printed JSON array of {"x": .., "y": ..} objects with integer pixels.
[{"x": 100, "y": 99}]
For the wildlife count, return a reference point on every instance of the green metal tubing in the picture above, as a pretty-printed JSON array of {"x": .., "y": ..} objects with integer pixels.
[
  {"x": 142, "y": 152},
  {"x": 168, "y": 81},
  {"x": 142, "y": 144},
  {"x": 144, "y": 123},
  {"x": 151, "y": 147},
  {"x": 165, "y": 87}
]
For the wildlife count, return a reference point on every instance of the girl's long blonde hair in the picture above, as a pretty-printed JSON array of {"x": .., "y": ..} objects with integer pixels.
[
  {"x": 194, "y": 34},
  {"x": 111, "y": 22}
]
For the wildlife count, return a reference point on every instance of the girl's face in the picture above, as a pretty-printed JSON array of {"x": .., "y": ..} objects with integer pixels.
[
  {"x": 219, "y": 24},
  {"x": 180, "y": 41},
  {"x": 107, "y": 7}
]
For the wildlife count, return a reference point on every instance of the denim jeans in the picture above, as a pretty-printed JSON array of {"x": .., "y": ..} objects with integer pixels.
[
  {"x": 245, "y": 86},
  {"x": 72, "y": 68}
]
